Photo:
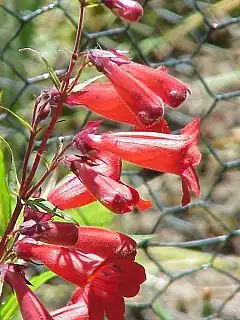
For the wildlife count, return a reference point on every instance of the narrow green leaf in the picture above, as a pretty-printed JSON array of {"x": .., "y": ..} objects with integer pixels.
[
  {"x": 50, "y": 70},
  {"x": 142, "y": 239},
  {"x": 5, "y": 199},
  {"x": 13, "y": 183},
  {"x": 20, "y": 119},
  {"x": 11, "y": 306},
  {"x": 162, "y": 313},
  {"x": 42, "y": 204},
  {"x": 84, "y": 84},
  {"x": 52, "y": 73}
]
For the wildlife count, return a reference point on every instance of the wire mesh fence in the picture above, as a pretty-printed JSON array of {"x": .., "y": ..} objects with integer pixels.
[{"x": 192, "y": 261}]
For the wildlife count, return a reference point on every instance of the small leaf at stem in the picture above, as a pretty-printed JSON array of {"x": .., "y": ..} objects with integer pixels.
[
  {"x": 5, "y": 199},
  {"x": 20, "y": 119},
  {"x": 42, "y": 204},
  {"x": 13, "y": 183},
  {"x": 50, "y": 70},
  {"x": 81, "y": 86},
  {"x": 142, "y": 239}
]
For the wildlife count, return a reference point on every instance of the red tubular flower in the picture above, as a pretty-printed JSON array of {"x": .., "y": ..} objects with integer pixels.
[
  {"x": 99, "y": 241},
  {"x": 103, "y": 99},
  {"x": 171, "y": 90},
  {"x": 70, "y": 193},
  {"x": 144, "y": 103},
  {"x": 30, "y": 306},
  {"x": 177, "y": 154},
  {"x": 99, "y": 179},
  {"x": 127, "y": 9},
  {"x": 69, "y": 264},
  {"x": 114, "y": 195},
  {"x": 104, "y": 294},
  {"x": 104, "y": 281}
]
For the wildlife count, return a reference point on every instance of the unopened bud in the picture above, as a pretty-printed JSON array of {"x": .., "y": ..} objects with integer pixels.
[{"x": 126, "y": 9}]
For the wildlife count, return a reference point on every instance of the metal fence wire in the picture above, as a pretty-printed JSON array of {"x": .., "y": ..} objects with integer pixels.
[{"x": 192, "y": 262}]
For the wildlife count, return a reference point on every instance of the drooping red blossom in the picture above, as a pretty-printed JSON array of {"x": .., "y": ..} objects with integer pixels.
[
  {"x": 114, "y": 195},
  {"x": 170, "y": 89},
  {"x": 115, "y": 65},
  {"x": 127, "y": 9},
  {"x": 97, "y": 178},
  {"x": 104, "y": 280},
  {"x": 99, "y": 241},
  {"x": 103, "y": 99},
  {"x": 143, "y": 102},
  {"x": 177, "y": 154},
  {"x": 70, "y": 193},
  {"x": 30, "y": 306},
  {"x": 108, "y": 286}
]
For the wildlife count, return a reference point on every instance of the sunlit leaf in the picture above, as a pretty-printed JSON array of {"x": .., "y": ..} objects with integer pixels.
[
  {"x": 13, "y": 183},
  {"x": 5, "y": 198},
  {"x": 94, "y": 214}
]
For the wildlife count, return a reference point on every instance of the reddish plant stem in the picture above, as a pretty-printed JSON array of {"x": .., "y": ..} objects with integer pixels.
[
  {"x": 11, "y": 224},
  {"x": 46, "y": 174},
  {"x": 76, "y": 46},
  {"x": 28, "y": 153},
  {"x": 42, "y": 148},
  {"x": 77, "y": 76},
  {"x": 30, "y": 144}
]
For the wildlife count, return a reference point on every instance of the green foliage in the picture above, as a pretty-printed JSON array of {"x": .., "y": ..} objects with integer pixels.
[
  {"x": 10, "y": 308},
  {"x": 13, "y": 183},
  {"x": 5, "y": 197},
  {"x": 93, "y": 214}
]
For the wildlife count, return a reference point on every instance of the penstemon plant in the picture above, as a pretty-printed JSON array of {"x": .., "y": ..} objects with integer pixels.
[{"x": 100, "y": 262}]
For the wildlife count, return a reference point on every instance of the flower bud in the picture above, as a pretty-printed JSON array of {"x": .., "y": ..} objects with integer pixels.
[{"x": 127, "y": 9}]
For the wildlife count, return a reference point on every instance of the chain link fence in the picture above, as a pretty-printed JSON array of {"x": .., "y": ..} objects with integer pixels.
[{"x": 192, "y": 262}]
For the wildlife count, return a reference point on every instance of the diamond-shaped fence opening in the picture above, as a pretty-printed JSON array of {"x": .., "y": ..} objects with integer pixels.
[{"x": 192, "y": 261}]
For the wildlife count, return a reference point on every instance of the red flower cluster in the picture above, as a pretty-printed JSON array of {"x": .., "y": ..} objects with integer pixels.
[
  {"x": 137, "y": 95},
  {"x": 98, "y": 261}
]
